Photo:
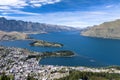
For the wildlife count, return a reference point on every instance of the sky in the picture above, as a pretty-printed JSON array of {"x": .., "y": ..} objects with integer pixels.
[{"x": 74, "y": 13}]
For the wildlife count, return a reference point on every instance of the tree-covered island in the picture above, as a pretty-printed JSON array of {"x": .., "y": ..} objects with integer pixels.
[{"x": 42, "y": 43}]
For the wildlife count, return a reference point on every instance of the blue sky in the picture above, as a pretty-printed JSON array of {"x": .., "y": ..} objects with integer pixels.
[{"x": 76, "y": 13}]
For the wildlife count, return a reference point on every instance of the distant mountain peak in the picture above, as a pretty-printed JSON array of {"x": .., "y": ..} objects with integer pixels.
[
  {"x": 22, "y": 26},
  {"x": 2, "y": 18}
]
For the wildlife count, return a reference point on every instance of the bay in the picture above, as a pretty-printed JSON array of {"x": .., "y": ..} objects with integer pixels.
[{"x": 92, "y": 52}]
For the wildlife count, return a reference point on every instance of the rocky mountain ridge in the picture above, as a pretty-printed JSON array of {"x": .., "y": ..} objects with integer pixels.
[{"x": 22, "y": 26}]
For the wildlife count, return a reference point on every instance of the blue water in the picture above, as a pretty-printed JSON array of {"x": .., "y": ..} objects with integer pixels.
[{"x": 93, "y": 52}]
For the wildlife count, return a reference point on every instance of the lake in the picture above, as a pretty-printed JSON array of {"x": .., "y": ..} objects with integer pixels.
[{"x": 92, "y": 52}]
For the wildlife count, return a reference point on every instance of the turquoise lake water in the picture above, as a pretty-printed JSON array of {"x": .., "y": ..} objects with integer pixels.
[{"x": 92, "y": 52}]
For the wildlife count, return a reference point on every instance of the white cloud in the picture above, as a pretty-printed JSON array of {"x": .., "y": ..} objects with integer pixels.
[
  {"x": 4, "y": 8},
  {"x": 109, "y": 6},
  {"x": 38, "y": 3},
  {"x": 75, "y": 19},
  {"x": 18, "y": 12},
  {"x": 97, "y": 12},
  {"x": 8, "y": 2},
  {"x": 23, "y": 3},
  {"x": 11, "y": 7},
  {"x": 13, "y": 3}
]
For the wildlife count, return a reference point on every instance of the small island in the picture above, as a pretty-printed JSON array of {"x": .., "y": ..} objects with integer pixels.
[
  {"x": 42, "y": 43},
  {"x": 22, "y": 64}
]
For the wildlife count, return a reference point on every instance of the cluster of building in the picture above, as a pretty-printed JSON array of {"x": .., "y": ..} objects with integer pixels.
[
  {"x": 96, "y": 70},
  {"x": 15, "y": 61}
]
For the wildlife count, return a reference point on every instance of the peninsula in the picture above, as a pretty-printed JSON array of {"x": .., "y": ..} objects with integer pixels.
[
  {"x": 13, "y": 35},
  {"x": 22, "y": 64}
]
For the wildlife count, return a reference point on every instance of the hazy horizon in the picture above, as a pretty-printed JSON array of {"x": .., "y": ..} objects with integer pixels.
[{"x": 74, "y": 13}]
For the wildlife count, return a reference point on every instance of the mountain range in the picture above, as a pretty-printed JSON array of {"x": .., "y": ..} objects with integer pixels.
[
  {"x": 22, "y": 26},
  {"x": 105, "y": 30}
]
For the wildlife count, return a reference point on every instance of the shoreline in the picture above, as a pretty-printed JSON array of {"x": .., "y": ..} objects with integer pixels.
[
  {"x": 20, "y": 63},
  {"x": 100, "y": 37}
]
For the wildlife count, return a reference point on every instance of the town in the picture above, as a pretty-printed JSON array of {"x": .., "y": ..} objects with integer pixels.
[{"x": 16, "y": 62}]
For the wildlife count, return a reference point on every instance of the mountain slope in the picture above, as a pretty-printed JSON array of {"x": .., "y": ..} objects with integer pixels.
[
  {"x": 105, "y": 30},
  {"x": 12, "y": 36},
  {"x": 21, "y": 26}
]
